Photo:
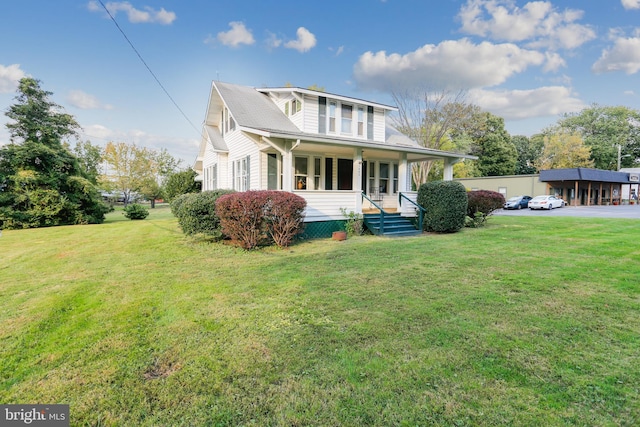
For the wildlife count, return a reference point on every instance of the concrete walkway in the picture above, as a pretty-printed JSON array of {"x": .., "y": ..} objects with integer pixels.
[{"x": 624, "y": 211}]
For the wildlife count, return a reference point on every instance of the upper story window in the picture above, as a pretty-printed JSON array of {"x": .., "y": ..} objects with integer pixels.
[
  {"x": 360, "y": 121},
  {"x": 228, "y": 124},
  {"x": 347, "y": 119},
  {"x": 292, "y": 107},
  {"x": 332, "y": 116}
]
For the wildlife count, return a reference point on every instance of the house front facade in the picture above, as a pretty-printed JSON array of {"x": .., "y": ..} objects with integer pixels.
[{"x": 338, "y": 153}]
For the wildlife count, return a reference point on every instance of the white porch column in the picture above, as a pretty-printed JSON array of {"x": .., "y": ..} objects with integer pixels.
[
  {"x": 448, "y": 170},
  {"x": 287, "y": 168},
  {"x": 403, "y": 169},
  {"x": 357, "y": 178}
]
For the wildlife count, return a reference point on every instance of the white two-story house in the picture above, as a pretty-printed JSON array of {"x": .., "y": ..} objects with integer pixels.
[{"x": 335, "y": 151}]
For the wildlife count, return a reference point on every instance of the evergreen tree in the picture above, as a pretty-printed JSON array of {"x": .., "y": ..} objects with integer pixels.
[{"x": 41, "y": 181}]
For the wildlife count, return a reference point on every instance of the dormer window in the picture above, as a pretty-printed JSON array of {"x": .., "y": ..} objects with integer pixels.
[
  {"x": 355, "y": 120},
  {"x": 296, "y": 106}
]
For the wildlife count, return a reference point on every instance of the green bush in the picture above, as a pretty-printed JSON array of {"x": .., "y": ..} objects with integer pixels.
[
  {"x": 445, "y": 203},
  {"x": 136, "y": 211},
  {"x": 177, "y": 203},
  {"x": 196, "y": 212}
]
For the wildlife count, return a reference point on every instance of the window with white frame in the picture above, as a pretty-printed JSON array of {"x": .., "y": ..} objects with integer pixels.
[
  {"x": 213, "y": 177},
  {"x": 317, "y": 173},
  {"x": 333, "y": 106},
  {"x": 347, "y": 119},
  {"x": 360, "y": 121},
  {"x": 384, "y": 177},
  {"x": 241, "y": 174},
  {"x": 301, "y": 169}
]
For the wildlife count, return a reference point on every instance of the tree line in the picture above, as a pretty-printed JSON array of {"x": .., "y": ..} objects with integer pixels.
[
  {"x": 45, "y": 181},
  {"x": 600, "y": 137}
]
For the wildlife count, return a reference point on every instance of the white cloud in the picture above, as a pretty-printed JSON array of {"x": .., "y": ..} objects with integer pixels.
[
  {"x": 85, "y": 101},
  {"x": 305, "y": 41},
  {"x": 553, "y": 62},
  {"x": 451, "y": 64},
  {"x": 537, "y": 23},
  {"x": 526, "y": 104},
  {"x": 135, "y": 16},
  {"x": 237, "y": 35},
  {"x": 623, "y": 56},
  {"x": 631, "y": 4},
  {"x": 10, "y": 77},
  {"x": 273, "y": 41}
]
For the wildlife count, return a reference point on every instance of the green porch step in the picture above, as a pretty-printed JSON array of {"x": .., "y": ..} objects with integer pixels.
[{"x": 394, "y": 225}]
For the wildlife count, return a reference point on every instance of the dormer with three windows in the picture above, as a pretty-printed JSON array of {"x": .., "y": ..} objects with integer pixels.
[{"x": 331, "y": 115}]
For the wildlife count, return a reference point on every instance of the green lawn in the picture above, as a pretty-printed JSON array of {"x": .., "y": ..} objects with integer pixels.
[{"x": 528, "y": 321}]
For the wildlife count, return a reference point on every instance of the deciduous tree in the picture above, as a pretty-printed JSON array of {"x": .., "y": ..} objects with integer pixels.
[
  {"x": 432, "y": 119},
  {"x": 603, "y": 129},
  {"x": 563, "y": 150}
]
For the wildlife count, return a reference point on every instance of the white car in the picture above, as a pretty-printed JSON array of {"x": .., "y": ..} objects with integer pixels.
[{"x": 545, "y": 202}]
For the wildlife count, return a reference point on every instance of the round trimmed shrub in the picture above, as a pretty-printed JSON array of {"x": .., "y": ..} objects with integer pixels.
[
  {"x": 445, "y": 203},
  {"x": 196, "y": 212},
  {"x": 136, "y": 211}
]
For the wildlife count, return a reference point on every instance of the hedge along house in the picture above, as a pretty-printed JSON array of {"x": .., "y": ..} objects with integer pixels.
[
  {"x": 586, "y": 187},
  {"x": 334, "y": 151}
]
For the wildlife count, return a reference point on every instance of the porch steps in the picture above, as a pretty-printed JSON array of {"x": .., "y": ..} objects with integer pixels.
[{"x": 395, "y": 225}]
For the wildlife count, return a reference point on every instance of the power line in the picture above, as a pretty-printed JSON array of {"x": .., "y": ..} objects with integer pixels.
[{"x": 149, "y": 68}]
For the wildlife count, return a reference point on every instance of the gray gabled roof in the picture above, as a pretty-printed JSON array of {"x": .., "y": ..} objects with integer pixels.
[
  {"x": 252, "y": 109},
  {"x": 254, "y": 112},
  {"x": 584, "y": 174}
]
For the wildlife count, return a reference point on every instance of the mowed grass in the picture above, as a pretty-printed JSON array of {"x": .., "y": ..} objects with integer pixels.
[{"x": 528, "y": 321}]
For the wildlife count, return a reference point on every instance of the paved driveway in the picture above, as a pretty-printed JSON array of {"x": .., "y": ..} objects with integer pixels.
[{"x": 624, "y": 211}]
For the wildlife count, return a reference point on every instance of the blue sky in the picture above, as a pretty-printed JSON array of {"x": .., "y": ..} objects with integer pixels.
[{"x": 527, "y": 62}]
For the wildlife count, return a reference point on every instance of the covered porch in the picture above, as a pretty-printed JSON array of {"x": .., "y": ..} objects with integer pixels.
[{"x": 355, "y": 175}]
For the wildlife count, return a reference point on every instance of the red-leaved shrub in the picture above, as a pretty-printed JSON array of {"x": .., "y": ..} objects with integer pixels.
[
  {"x": 252, "y": 218},
  {"x": 284, "y": 214},
  {"x": 483, "y": 201}
]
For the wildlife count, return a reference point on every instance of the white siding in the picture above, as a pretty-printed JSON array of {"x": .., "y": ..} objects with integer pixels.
[
  {"x": 310, "y": 111},
  {"x": 210, "y": 158},
  {"x": 223, "y": 171},
  {"x": 239, "y": 148},
  {"x": 378, "y": 125},
  {"x": 325, "y": 205}
]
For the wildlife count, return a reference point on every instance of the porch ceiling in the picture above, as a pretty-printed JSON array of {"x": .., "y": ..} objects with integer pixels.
[{"x": 371, "y": 150}]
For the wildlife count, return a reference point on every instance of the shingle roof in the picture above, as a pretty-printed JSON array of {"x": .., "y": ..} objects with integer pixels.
[
  {"x": 584, "y": 174},
  {"x": 252, "y": 109}
]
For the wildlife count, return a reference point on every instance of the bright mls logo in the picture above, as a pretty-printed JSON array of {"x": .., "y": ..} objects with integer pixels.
[{"x": 34, "y": 415}]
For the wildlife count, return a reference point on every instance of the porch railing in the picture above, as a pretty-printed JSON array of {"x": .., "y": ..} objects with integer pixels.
[
  {"x": 418, "y": 208},
  {"x": 364, "y": 196}
]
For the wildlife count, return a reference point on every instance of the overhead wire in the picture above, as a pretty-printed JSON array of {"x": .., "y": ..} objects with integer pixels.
[{"x": 148, "y": 68}]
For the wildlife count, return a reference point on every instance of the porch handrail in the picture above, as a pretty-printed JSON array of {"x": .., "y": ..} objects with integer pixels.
[
  {"x": 420, "y": 208},
  {"x": 364, "y": 196}
]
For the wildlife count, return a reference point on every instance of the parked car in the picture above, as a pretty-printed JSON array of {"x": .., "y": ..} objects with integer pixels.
[
  {"x": 546, "y": 202},
  {"x": 517, "y": 202}
]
